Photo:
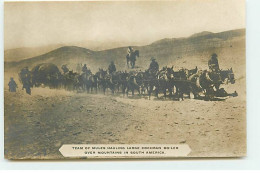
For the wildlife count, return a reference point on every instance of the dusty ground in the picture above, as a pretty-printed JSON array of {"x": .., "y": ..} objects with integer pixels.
[{"x": 36, "y": 126}]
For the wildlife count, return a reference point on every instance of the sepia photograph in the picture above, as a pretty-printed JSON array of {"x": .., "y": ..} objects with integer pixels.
[{"x": 130, "y": 79}]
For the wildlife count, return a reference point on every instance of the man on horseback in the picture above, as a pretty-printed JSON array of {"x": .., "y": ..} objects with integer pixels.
[
  {"x": 130, "y": 50},
  {"x": 154, "y": 66},
  {"x": 64, "y": 68},
  {"x": 214, "y": 74},
  {"x": 131, "y": 57},
  {"x": 111, "y": 67},
  {"x": 84, "y": 68},
  {"x": 128, "y": 55},
  {"x": 213, "y": 63}
]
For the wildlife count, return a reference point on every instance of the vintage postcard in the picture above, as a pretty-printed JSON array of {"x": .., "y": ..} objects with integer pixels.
[{"x": 131, "y": 79}]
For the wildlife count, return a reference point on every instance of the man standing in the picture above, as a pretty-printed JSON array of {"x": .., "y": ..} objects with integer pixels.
[
  {"x": 12, "y": 85},
  {"x": 25, "y": 76}
]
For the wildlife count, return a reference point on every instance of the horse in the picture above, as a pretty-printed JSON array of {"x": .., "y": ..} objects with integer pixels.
[{"x": 132, "y": 58}]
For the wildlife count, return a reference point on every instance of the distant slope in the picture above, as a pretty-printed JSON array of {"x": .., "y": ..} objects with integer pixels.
[
  {"x": 23, "y": 53},
  {"x": 19, "y": 54},
  {"x": 201, "y": 34},
  {"x": 196, "y": 49},
  {"x": 99, "y": 46}
]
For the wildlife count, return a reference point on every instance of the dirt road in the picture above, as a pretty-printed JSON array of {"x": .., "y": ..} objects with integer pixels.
[{"x": 36, "y": 126}]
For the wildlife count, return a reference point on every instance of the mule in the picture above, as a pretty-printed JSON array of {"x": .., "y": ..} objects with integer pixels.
[
  {"x": 132, "y": 84},
  {"x": 227, "y": 76},
  {"x": 165, "y": 79},
  {"x": 207, "y": 81}
]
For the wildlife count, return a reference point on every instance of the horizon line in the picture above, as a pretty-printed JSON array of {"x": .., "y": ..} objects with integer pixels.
[{"x": 69, "y": 45}]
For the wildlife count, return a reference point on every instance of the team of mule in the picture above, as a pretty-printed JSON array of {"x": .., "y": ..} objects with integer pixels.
[{"x": 168, "y": 81}]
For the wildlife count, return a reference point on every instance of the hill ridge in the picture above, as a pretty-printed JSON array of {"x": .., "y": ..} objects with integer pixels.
[{"x": 165, "y": 50}]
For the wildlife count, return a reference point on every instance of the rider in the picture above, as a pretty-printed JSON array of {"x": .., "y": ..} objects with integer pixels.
[
  {"x": 215, "y": 71},
  {"x": 84, "y": 68},
  {"x": 213, "y": 63},
  {"x": 111, "y": 67},
  {"x": 64, "y": 68},
  {"x": 130, "y": 50},
  {"x": 12, "y": 85},
  {"x": 154, "y": 66}
]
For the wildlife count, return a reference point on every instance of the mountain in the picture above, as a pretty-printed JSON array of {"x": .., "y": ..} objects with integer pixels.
[
  {"x": 99, "y": 45},
  {"x": 201, "y": 34},
  {"x": 180, "y": 52},
  {"x": 22, "y": 53}
]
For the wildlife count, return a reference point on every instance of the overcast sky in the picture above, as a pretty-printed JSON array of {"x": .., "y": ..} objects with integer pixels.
[{"x": 32, "y": 24}]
